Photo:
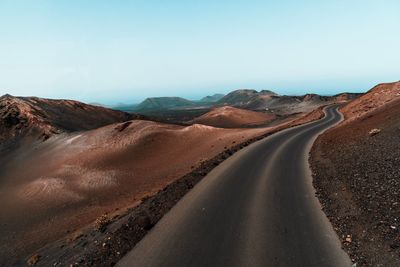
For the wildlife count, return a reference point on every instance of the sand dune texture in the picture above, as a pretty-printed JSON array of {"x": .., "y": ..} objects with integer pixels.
[{"x": 71, "y": 179}]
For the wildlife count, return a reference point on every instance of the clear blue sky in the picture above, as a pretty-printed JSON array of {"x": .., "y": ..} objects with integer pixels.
[{"x": 124, "y": 51}]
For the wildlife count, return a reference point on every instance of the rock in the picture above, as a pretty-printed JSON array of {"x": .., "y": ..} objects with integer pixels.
[
  {"x": 102, "y": 222},
  {"x": 33, "y": 259},
  {"x": 144, "y": 221},
  {"x": 374, "y": 132},
  {"x": 348, "y": 239}
]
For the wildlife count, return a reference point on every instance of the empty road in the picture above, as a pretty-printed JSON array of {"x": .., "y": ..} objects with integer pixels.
[{"x": 257, "y": 208}]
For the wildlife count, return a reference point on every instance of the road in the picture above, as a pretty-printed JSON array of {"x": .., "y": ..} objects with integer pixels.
[{"x": 257, "y": 208}]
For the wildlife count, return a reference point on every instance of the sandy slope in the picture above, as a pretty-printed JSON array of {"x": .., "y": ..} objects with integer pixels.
[
  {"x": 373, "y": 99},
  {"x": 230, "y": 117},
  {"x": 71, "y": 179},
  {"x": 39, "y": 118}
]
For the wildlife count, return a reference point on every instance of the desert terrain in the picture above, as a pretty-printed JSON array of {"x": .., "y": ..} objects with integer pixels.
[
  {"x": 356, "y": 174},
  {"x": 64, "y": 164},
  {"x": 71, "y": 179}
]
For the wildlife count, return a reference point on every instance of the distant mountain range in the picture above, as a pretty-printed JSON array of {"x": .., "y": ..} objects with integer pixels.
[
  {"x": 164, "y": 103},
  {"x": 242, "y": 98},
  {"x": 159, "y": 103},
  {"x": 265, "y": 99}
]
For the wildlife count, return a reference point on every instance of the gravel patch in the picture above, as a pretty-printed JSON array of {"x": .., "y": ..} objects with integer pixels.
[{"x": 356, "y": 169}]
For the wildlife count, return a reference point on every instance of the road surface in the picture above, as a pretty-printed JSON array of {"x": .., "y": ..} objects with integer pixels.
[{"x": 257, "y": 208}]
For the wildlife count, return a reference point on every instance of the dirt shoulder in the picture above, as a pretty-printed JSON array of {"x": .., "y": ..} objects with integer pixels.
[
  {"x": 357, "y": 178},
  {"x": 112, "y": 236}
]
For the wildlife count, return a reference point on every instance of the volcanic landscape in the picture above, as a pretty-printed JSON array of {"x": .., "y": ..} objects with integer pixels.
[{"x": 73, "y": 175}]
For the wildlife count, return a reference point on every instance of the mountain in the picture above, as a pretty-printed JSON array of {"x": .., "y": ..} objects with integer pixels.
[
  {"x": 265, "y": 99},
  {"x": 41, "y": 118},
  {"x": 212, "y": 98},
  {"x": 267, "y": 92},
  {"x": 243, "y": 97},
  {"x": 281, "y": 104},
  {"x": 159, "y": 103},
  {"x": 230, "y": 117},
  {"x": 345, "y": 97},
  {"x": 356, "y": 167},
  {"x": 314, "y": 98}
]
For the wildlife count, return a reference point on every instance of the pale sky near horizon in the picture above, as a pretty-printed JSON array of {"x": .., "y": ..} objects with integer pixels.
[{"x": 124, "y": 51}]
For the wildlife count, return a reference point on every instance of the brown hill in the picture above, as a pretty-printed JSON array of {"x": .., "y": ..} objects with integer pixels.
[
  {"x": 41, "y": 118},
  {"x": 230, "y": 117},
  {"x": 374, "y": 98},
  {"x": 243, "y": 97},
  {"x": 162, "y": 103},
  {"x": 280, "y": 104}
]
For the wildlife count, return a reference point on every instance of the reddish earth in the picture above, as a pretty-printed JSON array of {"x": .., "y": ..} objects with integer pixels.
[
  {"x": 357, "y": 177},
  {"x": 374, "y": 98},
  {"x": 39, "y": 118},
  {"x": 230, "y": 117},
  {"x": 89, "y": 173}
]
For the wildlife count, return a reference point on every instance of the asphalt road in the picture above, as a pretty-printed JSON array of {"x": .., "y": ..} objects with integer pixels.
[{"x": 257, "y": 208}]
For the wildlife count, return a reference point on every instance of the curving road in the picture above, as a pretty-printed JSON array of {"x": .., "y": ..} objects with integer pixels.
[{"x": 257, "y": 208}]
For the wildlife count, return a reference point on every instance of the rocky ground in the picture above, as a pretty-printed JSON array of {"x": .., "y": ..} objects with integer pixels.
[{"x": 357, "y": 178}]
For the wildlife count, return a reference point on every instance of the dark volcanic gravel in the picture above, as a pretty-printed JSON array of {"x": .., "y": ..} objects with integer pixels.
[{"x": 357, "y": 178}]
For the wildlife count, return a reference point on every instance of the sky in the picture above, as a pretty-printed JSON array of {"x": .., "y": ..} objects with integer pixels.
[{"x": 124, "y": 51}]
